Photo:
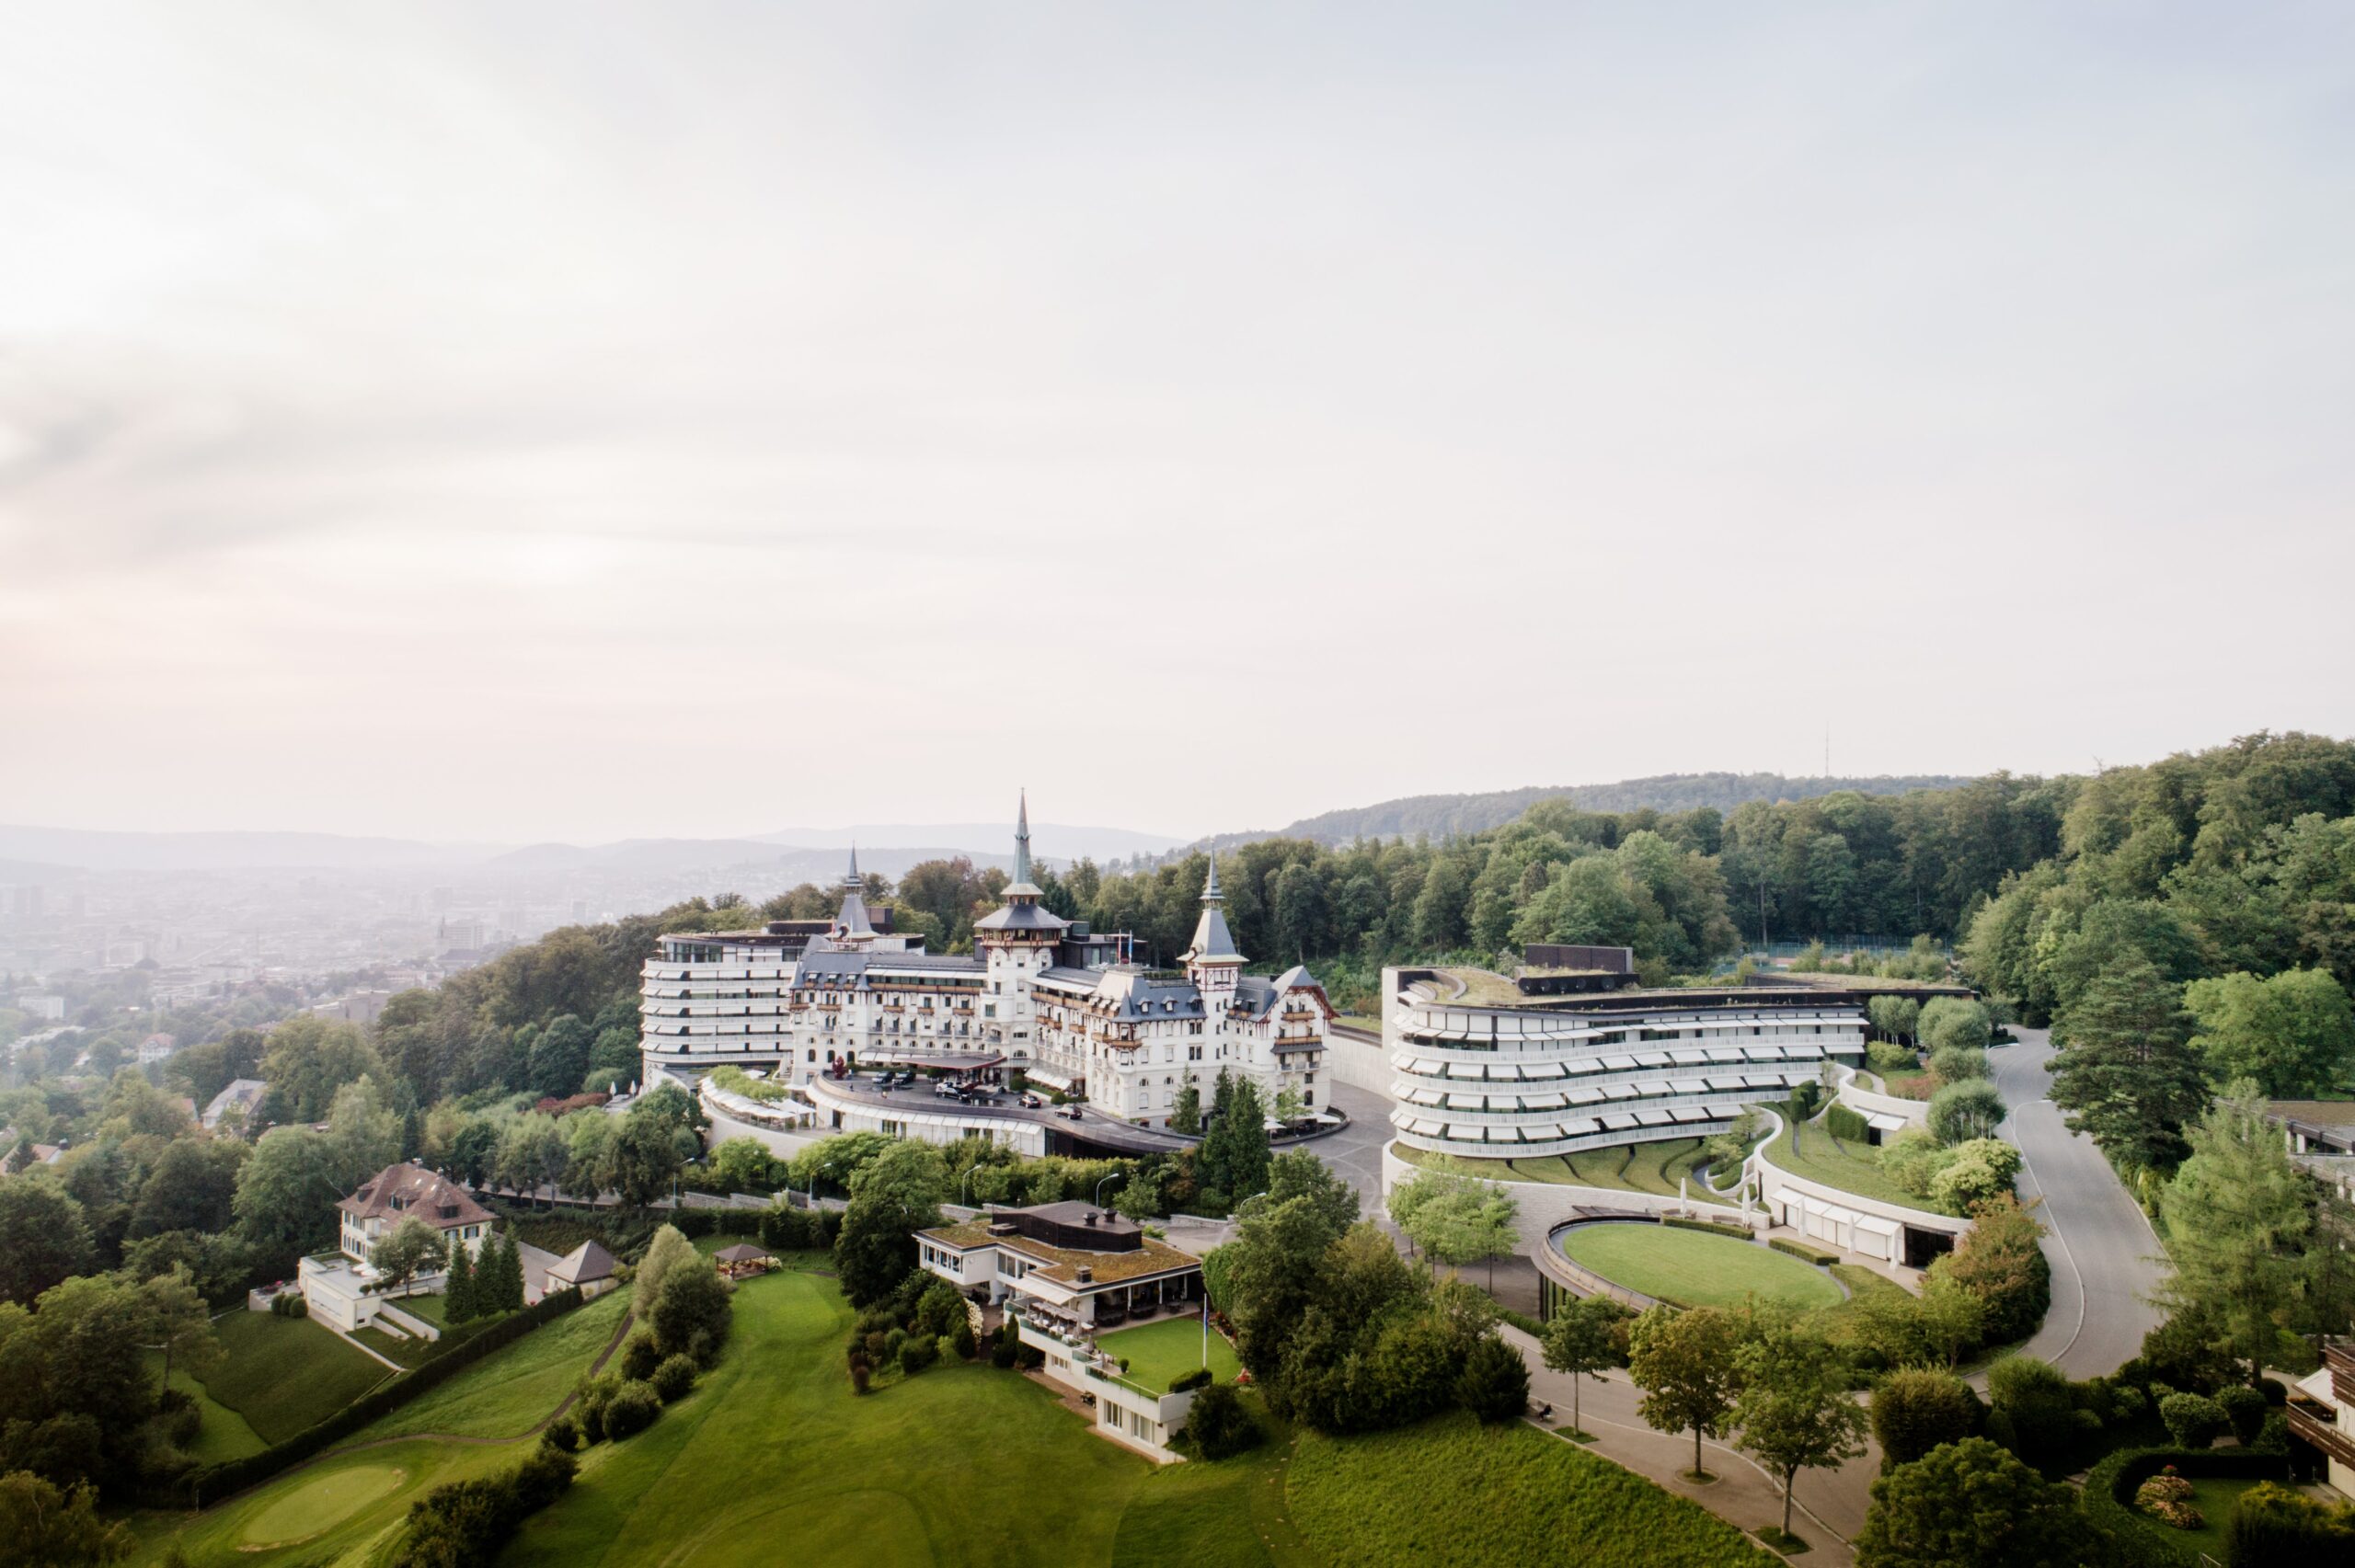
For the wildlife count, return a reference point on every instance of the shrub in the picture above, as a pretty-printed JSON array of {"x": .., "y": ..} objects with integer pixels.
[
  {"x": 633, "y": 1409},
  {"x": 944, "y": 1349},
  {"x": 859, "y": 1376},
  {"x": 674, "y": 1379},
  {"x": 1714, "y": 1227},
  {"x": 1917, "y": 1410},
  {"x": 1961, "y": 1112},
  {"x": 1494, "y": 1384},
  {"x": 466, "y": 1522},
  {"x": 2126, "y": 1403},
  {"x": 1958, "y": 1064},
  {"x": 915, "y": 1354},
  {"x": 961, "y": 1342},
  {"x": 1889, "y": 1058},
  {"x": 2185, "y": 1352},
  {"x": 1846, "y": 1125},
  {"x": 1802, "y": 1250},
  {"x": 563, "y": 1434},
  {"x": 693, "y": 1313},
  {"x": 2166, "y": 1497},
  {"x": 1003, "y": 1348},
  {"x": 2244, "y": 1408},
  {"x": 640, "y": 1355},
  {"x": 2193, "y": 1420},
  {"x": 1218, "y": 1425},
  {"x": 2273, "y": 1523},
  {"x": 1200, "y": 1377},
  {"x": 2273, "y": 1435},
  {"x": 2034, "y": 1397}
]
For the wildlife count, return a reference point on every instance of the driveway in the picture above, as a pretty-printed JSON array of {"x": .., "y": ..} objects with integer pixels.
[
  {"x": 2104, "y": 1254},
  {"x": 1355, "y": 1151}
]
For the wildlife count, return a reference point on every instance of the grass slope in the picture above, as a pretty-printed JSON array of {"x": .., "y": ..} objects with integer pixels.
[
  {"x": 1814, "y": 1153},
  {"x": 1452, "y": 1491},
  {"x": 285, "y": 1373},
  {"x": 222, "y": 1435},
  {"x": 509, "y": 1392},
  {"x": 1695, "y": 1269}
]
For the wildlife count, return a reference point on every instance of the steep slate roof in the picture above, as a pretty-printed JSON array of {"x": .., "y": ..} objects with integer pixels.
[
  {"x": 1021, "y": 915},
  {"x": 1132, "y": 993},
  {"x": 400, "y": 1191},
  {"x": 847, "y": 969},
  {"x": 585, "y": 1265},
  {"x": 243, "y": 1093}
]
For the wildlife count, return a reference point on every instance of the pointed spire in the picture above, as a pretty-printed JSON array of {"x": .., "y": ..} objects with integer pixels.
[
  {"x": 1212, "y": 939},
  {"x": 1022, "y": 841},
  {"x": 851, "y": 878}
]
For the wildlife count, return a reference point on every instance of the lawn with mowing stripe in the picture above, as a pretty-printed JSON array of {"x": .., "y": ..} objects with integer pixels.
[
  {"x": 509, "y": 1391},
  {"x": 1453, "y": 1491},
  {"x": 222, "y": 1434},
  {"x": 1157, "y": 1353},
  {"x": 1695, "y": 1269},
  {"x": 285, "y": 1373},
  {"x": 1811, "y": 1152}
]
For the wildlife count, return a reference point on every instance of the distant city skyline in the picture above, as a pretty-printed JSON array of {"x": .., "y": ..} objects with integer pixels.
[{"x": 508, "y": 423}]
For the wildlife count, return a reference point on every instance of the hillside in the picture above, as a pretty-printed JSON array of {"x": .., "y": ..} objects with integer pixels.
[{"x": 1440, "y": 815}]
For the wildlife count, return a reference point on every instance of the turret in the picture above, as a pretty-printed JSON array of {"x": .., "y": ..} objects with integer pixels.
[{"x": 1212, "y": 962}]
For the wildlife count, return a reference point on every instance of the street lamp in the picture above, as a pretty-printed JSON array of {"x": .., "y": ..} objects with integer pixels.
[{"x": 1099, "y": 1189}]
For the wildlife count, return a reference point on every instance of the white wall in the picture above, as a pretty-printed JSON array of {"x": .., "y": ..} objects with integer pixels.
[
  {"x": 1543, "y": 1205},
  {"x": 1359, "y": 1062}
]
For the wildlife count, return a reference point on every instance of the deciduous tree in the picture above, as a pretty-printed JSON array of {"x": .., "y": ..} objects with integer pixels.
[
  {"x": 1794, "y": 1411},
  {"x": 1688, "y": 1366}
]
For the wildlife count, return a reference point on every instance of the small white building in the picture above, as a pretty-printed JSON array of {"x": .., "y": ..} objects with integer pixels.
[
  {"x": 341, "y": 1288},
  {"x": 1066, "y": 1272},
  {"x": 239, "y": 1096},
  {"x": 2322, "y": 1411}
]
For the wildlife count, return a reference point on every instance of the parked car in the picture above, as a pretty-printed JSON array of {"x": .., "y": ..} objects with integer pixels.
[{"x": 1031, "y": 1102}]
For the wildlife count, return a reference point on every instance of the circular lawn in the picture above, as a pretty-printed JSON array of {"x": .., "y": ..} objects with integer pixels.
[{"x": 1693, "y": 1268}]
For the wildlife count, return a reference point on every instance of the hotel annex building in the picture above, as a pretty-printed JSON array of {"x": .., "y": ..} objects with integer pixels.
[{"x": 1040, "y": 995}]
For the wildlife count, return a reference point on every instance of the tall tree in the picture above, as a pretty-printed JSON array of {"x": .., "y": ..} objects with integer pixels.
[
  {"x": 406, "y": 1250},
  {"x": 897, "y": 1195},
  {"x": 2235, "y": 1217},
  {"x": 1688, "y": 1366},
  {"x": 1578, "y": 1341},
  {"x": 2125, "y": 1071},
  {"x": 1795, "y": 1411},
  {"x": 2293, "y": 1034},
  {"x": 42, "y": 1237}
]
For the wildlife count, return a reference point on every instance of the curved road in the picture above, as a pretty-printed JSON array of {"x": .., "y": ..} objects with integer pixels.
[{"x": 2104, "y": 1254}]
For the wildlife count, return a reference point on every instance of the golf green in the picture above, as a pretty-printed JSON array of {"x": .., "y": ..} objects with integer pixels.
[
  {"x": 1693, "y": 1268},
  {"x": 321, "y": 1504}
]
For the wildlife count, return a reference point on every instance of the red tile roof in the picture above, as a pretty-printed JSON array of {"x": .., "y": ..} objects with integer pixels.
[{"x": 400, "y": 1191}]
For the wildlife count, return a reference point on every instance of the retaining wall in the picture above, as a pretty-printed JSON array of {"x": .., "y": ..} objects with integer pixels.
[{"x": 1544, "y": 1205}]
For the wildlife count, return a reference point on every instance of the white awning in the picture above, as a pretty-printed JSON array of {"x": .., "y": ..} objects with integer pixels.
[
  {"x": 1051, "y": 1080},
  {"x": 1653, "y": 1058},
  {"x": 1873, "y": 1224},
  {"x": 1584, "y": 1095},
  {"x": 1655, "y": 1118},
  {"x": 1422, "y": 1126},
  {"x": 1693, "y": 1113},
  {"x": 1465, "y": 1101},
  {"x": 1620, "y": 1121},
  {"x": 1620, "y": 1091},
  {"x": 1688, "y": 1085},
  {"x": 1885, "y": 1122},
  {"x": 1725, "y": 1053},
  {"x": 1788, "y": 1197},
  {"x": 1425, "y": 1097},
  {"x": 1620, "y": 1064},
  {"x": 1463, "y": 1132},
  {"x": 1688, "y": 1055},
  {"x": 1581, "y": 1126}
]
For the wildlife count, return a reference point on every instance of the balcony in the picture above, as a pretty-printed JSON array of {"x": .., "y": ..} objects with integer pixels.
[{"x": 2317, "y": 1423}]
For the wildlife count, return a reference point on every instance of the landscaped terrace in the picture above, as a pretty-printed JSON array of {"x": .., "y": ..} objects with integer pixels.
[{"x": 1160, "y": 1353}]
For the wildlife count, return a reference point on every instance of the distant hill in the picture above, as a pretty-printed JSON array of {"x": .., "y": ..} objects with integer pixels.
[
  {"x": 103, "y": 851},
  {"x": 1441, "y": 815},
  {"x": 1058, "y": 842}
]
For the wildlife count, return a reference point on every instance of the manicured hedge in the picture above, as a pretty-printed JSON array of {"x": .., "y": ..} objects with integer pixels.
[
  {"x": 1847, "y": 1126},
  {"x": 1714, "y": 1227},
  {"x": 216, "y": 1481},
  {"x": 1815, "y": 1255},
  {"x": 2109, "y": 1495}
]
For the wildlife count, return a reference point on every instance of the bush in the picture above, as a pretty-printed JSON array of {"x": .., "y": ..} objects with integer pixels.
[
  {"x": 640, "y": 1355},
  {"x": 859, "y": 1376},
  {"x": 1961, "y": 1112},
  {"x": 961, "y": 1342},
  {"x": 915, "y": 1354},
  {"x": 1200, "y": 1377},
  {"x": 1003, "y": 1348},
  {"x": 2126, "y": 1403},
  {"x": 2187, "y": 1352},
  {"x": 2275, "y": 1393},
  {"x": 1494, "y": 1384},
  {"x": 674, "y": 1379},
  {"x": 2034, "y": 1398},
  {"x": 563, "y": 1434},
  {"x": 2166, "y": 1497},
  {"x": 2193, "y": 1420},
  {"x": 944, "y": 1350},
  {"x": 633, "y": 1409},
  {"x": 466, "y": 1522},
  {"x": 1816, "y": 1255},
  {"x": 2244, "y": 1408},
  {"x": 1958, "y": 1064},
  {"x": 1889, "y": 1060},
  {"x": 1846, "y": 1125},
  {"x": 2273, "y": 1523},
  {"x": 1218, "y": 1425},
  {"x": 1917, "y": 1410},
  {"x": 1714, "y": 1227},
  {"x": 692, "y": 1314}
]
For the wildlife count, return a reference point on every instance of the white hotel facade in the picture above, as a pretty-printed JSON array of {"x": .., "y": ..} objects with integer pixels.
[
  {"x": 1565, "y": 1056},
  {"x": 1040, "y": 995}
]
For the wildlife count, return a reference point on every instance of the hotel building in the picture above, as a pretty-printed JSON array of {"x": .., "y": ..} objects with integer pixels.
[{"x": 1039, "y": 995}]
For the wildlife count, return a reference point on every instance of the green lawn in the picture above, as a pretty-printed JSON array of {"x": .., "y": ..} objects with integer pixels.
[
  {"x": 223, "y": 1434},
  {"x": 284, "y": 1374},
  {"x": 1160, "y": 1352},
  {"x": 774, "y": 1458},
  {"x": 509, "y": 1391},
  {"x": 1693, "y": 1268},
  {"x": 432, "y": 1309},
  {"x": 1631, "y": 1168},
  {"x": 1451, "y": 1491},
  {"x": 1814, "y": 1153}
]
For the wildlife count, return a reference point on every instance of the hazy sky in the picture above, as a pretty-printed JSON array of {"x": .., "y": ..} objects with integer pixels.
[{"x": 502, "y": 421}]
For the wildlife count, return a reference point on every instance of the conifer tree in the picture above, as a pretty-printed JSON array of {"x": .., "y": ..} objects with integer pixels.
[{"x": 458, "y": 1295}]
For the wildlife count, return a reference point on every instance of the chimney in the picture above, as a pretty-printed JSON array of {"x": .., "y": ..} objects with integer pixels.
[
  {"x": 1091, "y": 1217},
  {"x": 1086, "y": 1274}
]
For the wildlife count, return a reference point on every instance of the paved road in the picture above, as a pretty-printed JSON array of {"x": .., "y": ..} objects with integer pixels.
[
  {"x": 2102, "y": 1251},
  {"x": 1355, "y": 1151}
]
